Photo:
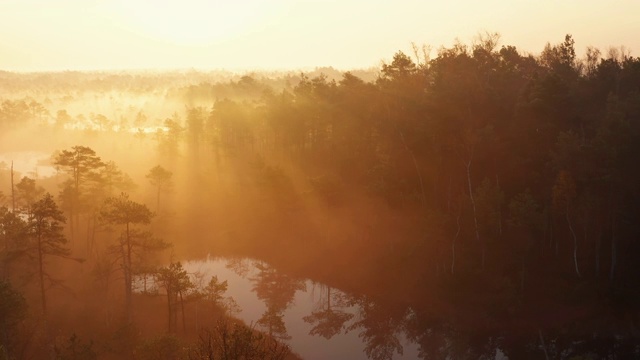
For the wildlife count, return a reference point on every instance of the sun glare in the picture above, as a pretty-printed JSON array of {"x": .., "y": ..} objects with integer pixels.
[{"x": 191, "y": 22}]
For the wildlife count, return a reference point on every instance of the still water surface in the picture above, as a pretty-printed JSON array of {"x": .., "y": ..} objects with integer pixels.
[
  {"x": 320, "y": 322},
  {"x": 292, "y": 309}
]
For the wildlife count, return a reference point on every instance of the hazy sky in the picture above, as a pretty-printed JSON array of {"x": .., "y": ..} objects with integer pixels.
[{"x": 283, "y": 34}]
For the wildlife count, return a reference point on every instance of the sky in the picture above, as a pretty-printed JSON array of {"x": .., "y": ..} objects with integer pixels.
[{"x": 57, "y": 35}]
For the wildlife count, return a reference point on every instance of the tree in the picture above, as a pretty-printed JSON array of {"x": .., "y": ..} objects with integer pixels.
[
  {"x": 27, "y": 193},
  {"x": 489, "y": 198},
  {"x": 47, "y": 239},
  {"x": 107, "y": 181},
  {"x": 525, "y": 216},
  {"x": 164, "y": 347},
  {"x": 161, "y": 179},
  {"x": 175, "y": 281},
  {"x": 561, "y": 58},
  {"x": 13, "y": 239},
  {"x": 62, "y": 119},
  {"x": 82, "y": 165},
  {"x": 564, "y": 192},
  {"x": 215, "y": 289},
  {"x": 74, "y": 348},
  {"x": 169, "y": 139},
  {"x": 232, "y": 340},
  {"x": 133, "y": 244},
  {"x": 13, "y": 308},
  {"x": 400, "y": 68}
]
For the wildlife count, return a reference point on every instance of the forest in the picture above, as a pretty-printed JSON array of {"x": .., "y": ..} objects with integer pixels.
[{"x": 489, "y": 198}]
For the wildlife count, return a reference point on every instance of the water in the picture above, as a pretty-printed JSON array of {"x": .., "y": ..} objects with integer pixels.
[
  {"x": 279, "y": 304},
  {"x": 320, "y": 322}
]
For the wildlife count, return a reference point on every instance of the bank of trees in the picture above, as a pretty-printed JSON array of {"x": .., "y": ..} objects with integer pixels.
[
  {"x": 502, "y": 164},
  {"x": 34, "y": 244},
  {"x": 481, "y": 169}
]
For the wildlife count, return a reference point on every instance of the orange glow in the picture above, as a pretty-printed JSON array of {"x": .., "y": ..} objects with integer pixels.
[{"x": 285, "y": 34}]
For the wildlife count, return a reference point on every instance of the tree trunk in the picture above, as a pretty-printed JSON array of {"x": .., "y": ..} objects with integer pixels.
[
  {"x": 93, "y": 230},
  {"x": 598, "y": 248},
  {"x": 413, "y": 157},
  {"x": 128, "y": 276},
  {"x": 184, "y": 325},
  {"x": 448, "y": 193},
  {"x": 586, "y": 228},
  {"x": 174, "y": 311},
  {"x": 88, "y": 243},
  {"x": 13, "y": 192},
  {"x": 500, "y": 209},
  {"x": 41, "y": 273},
  {"x": 575, "y": 243},
  {"x": 614, "y": 248},
  {"x": 553, "y": 239},
  {"x": 71, "y": 227},
  {"x": 544, "y": 347},
  {"x": 158, "y": 200},
  {"x": 453, "y": 245},
  {"x": 475, "y": 215},
  {"x": 169, "y": 318},
  {"x": 126, "y": 273},
  {"x": 522, "y": 275}
]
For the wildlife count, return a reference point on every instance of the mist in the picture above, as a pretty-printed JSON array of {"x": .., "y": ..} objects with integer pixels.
[{"x": 471, "y": 202}]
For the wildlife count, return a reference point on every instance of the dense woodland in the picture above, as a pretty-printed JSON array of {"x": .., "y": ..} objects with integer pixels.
[{"x": 480, "y": 187}]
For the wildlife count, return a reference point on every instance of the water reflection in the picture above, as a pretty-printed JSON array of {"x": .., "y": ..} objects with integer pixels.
[
  {"x": 331, "y": 324},
  {"x": 329, "y": 319},
  {"x": 325, "y": 324},
  {"x": 380, "y": 327},
  {"x": 277, "y": 290}
]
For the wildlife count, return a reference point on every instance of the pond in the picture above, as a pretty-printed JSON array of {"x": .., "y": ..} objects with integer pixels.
[
  {"x": 317, "y": 321},
  {"x": 321, "y": 322}
]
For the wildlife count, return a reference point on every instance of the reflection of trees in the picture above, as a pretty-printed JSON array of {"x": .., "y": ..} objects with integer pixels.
[
  {"x": 240, "y": 266},
  {"x": 328, "y": 321},
  {"x": 464, "y": 337},
  {"x": 431, "y": 336},
  {"x": 438, "y": 339},
  {"x": 380, "y": 326},
  {"x": 466, "y": 333},
  {"x": 589, "y": 338},
  {"x": 277, "y": 290}
]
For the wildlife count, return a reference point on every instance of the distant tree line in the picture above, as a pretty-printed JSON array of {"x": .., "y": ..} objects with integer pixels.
[
  {"x": 510, "y": 167},
  {"x": 494, "y": 176}
]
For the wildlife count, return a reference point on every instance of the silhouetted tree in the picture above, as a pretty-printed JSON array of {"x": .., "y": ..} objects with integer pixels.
[
  {"x": 45, "y": 223},
  {"x": 27, "y": 192},
  {"x": 82, "y": 165},
  {"x": 161, "y": 179},
  {"x": 231, "y": 340},
  {"x": 132, "y": 242},
  {"x": 13, "y": 309},
  {"x": 14, "y": 238},
  {"x": 176, "y": 282}
]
